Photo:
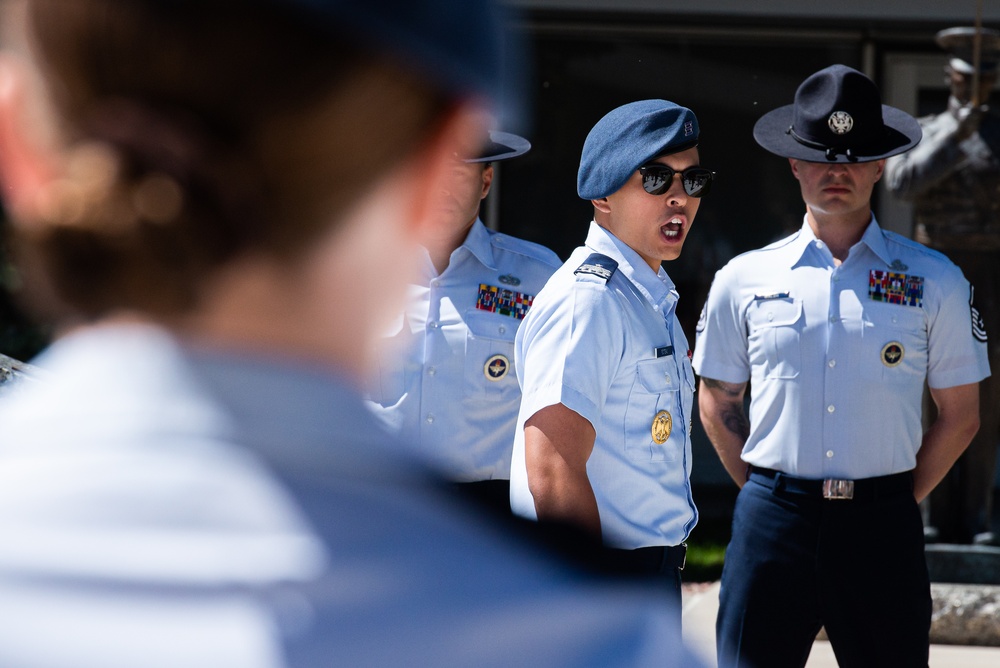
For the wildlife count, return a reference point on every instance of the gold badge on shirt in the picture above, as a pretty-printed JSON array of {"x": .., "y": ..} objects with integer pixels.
[{"x": 662, "y": 426}]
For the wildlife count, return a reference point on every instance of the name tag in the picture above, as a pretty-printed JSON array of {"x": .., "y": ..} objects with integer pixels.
[
  {"x": 773, "y": 295},
  {"x": 665, "y": 351}
]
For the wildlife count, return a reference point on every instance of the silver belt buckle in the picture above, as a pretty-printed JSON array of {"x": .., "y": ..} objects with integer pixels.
[{"x": 838, "y": 489}]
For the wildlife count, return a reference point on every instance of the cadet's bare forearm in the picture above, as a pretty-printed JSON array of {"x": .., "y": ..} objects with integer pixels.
[{"x": 726, "y": 423}]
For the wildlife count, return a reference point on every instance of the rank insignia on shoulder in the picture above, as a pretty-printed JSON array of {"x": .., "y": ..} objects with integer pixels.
[
  {"x": 598, "y": 265},
  {"x": 496, "y": 367},
  {"x": 978, "y": 326},
  {"x": 892, "y": 353},
  {"x": 494, "y": 299},
  {"x": 896, "y": 288}
]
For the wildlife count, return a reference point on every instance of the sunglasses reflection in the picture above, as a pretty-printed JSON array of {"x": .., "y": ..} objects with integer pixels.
[{"x": 657, "y": 178}]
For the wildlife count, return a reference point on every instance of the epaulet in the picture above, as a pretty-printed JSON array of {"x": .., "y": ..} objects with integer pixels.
[{"x": 598, "y": 265}]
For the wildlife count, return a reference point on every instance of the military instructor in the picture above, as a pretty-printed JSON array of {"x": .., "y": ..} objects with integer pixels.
[{"x": 836, "y": 327}]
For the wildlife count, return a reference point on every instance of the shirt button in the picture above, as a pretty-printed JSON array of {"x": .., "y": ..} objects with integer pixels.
[
  {"x": 431, "y": 371},
  {"x": 832, "y": 363},
  {"x": 432, "y": 324},
  {"x": 770, "y": 317},
  {"x": 430, "y": 418},
  {"x": 503, "y": 329},
  {"x": 829, "y": 454},
  {"x": 819, "y": 244},
  {"x": 435, "y": 283},
  {"x": 830, "y": 408},
  {"x": 834, "y": 318}
]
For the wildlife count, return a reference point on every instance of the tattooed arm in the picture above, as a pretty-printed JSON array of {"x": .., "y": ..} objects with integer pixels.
[{"x": 726, "y": 423}]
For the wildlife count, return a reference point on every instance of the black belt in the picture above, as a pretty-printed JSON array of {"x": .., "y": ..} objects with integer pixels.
[
  {"x": 865, "y": 489},
  {"x": 646, "y": 560}
]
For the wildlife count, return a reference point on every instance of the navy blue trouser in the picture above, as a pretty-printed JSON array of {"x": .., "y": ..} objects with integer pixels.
[{"x": 797, "y": 562}]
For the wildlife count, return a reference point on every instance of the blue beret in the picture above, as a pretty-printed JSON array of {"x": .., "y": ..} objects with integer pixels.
[{"x": 627, "y": 138}]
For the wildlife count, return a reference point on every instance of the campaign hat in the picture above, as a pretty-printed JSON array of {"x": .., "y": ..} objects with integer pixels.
[
  {"x": 837, "y": 116},
  {"x": 502, "y": 146},
  {"x": 961, "y": 44}
]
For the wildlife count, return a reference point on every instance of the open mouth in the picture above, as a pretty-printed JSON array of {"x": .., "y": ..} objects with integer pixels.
[{"x": 673, "y": 229}]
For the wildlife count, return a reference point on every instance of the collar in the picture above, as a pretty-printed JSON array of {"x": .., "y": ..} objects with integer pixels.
[
  {"x": 873, "y": 238},
  {"x": 478, "y": 242},
  {"x": 657, "y": 287}
]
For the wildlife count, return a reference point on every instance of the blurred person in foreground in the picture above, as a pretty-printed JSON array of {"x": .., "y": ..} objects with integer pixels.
[
  {"x": 446, "y": 382},
  {"x": 220, "y": 202}
]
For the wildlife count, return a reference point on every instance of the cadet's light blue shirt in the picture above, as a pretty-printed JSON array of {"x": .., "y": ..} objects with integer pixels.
[
  {"x": 837, "y": 356},
  {"x": 446, "y": 382},
  {"x": 615, "y": 353}
]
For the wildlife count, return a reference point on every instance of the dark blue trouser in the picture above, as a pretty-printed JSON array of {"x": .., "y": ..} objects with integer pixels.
[{"x": 797, "y": 562}]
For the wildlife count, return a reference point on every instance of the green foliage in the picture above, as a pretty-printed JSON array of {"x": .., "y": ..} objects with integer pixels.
[{"x": 707, "y": 549}]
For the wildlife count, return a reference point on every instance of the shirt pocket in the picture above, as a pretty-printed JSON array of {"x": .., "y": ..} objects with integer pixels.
[
  {"x": 489, "y": 355},
  {"x": 894, "y": 344},
  {"x": 775, "y": 336},
  {"x": 654, "y": 428}
]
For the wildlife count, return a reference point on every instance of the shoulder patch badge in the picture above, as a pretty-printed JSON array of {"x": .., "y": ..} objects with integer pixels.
[
  {"x": 598, "y": 265},
  {"x": 896, "y": 288}
]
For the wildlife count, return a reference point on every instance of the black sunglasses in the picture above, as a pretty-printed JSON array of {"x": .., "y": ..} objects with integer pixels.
[{"x": 657, "y": 178}]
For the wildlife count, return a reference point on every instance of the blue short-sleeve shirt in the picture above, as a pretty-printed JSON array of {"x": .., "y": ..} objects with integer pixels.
[
  {"x": 446, "y": 383},
  {"x": 837, "y": 356},
  {"x": 613, "y": 351}
]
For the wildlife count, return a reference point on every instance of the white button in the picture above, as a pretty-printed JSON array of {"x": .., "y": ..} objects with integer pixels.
[
  {"x": 430, "y": 418},
  {"x": 503, "y": 329},
  {"x": 819, "y": 244},
  {"x": 431, "y": 371},
  {"x": 830, "y": 408},
  {"x": 435, "y": 283},
  {"x": 894, "y": 319},
  {"x": 832, "y": 363},
  {"x": 656, "y": 307},
  {"x": 432, "y": 324},
  {"x": 770, "y": 316},
  {"x": 834, "y": 318},
  {"x": 829, "y": 454},
  {"x": 668, "y": 377}
]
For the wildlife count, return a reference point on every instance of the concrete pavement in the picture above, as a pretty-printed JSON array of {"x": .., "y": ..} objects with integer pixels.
[{"x": 699, "y": 611}]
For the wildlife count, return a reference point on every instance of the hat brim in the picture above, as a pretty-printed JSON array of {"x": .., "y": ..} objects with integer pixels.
[
  {"x": 502, "y": 146},
  {"x": 902, "y": 132}
]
